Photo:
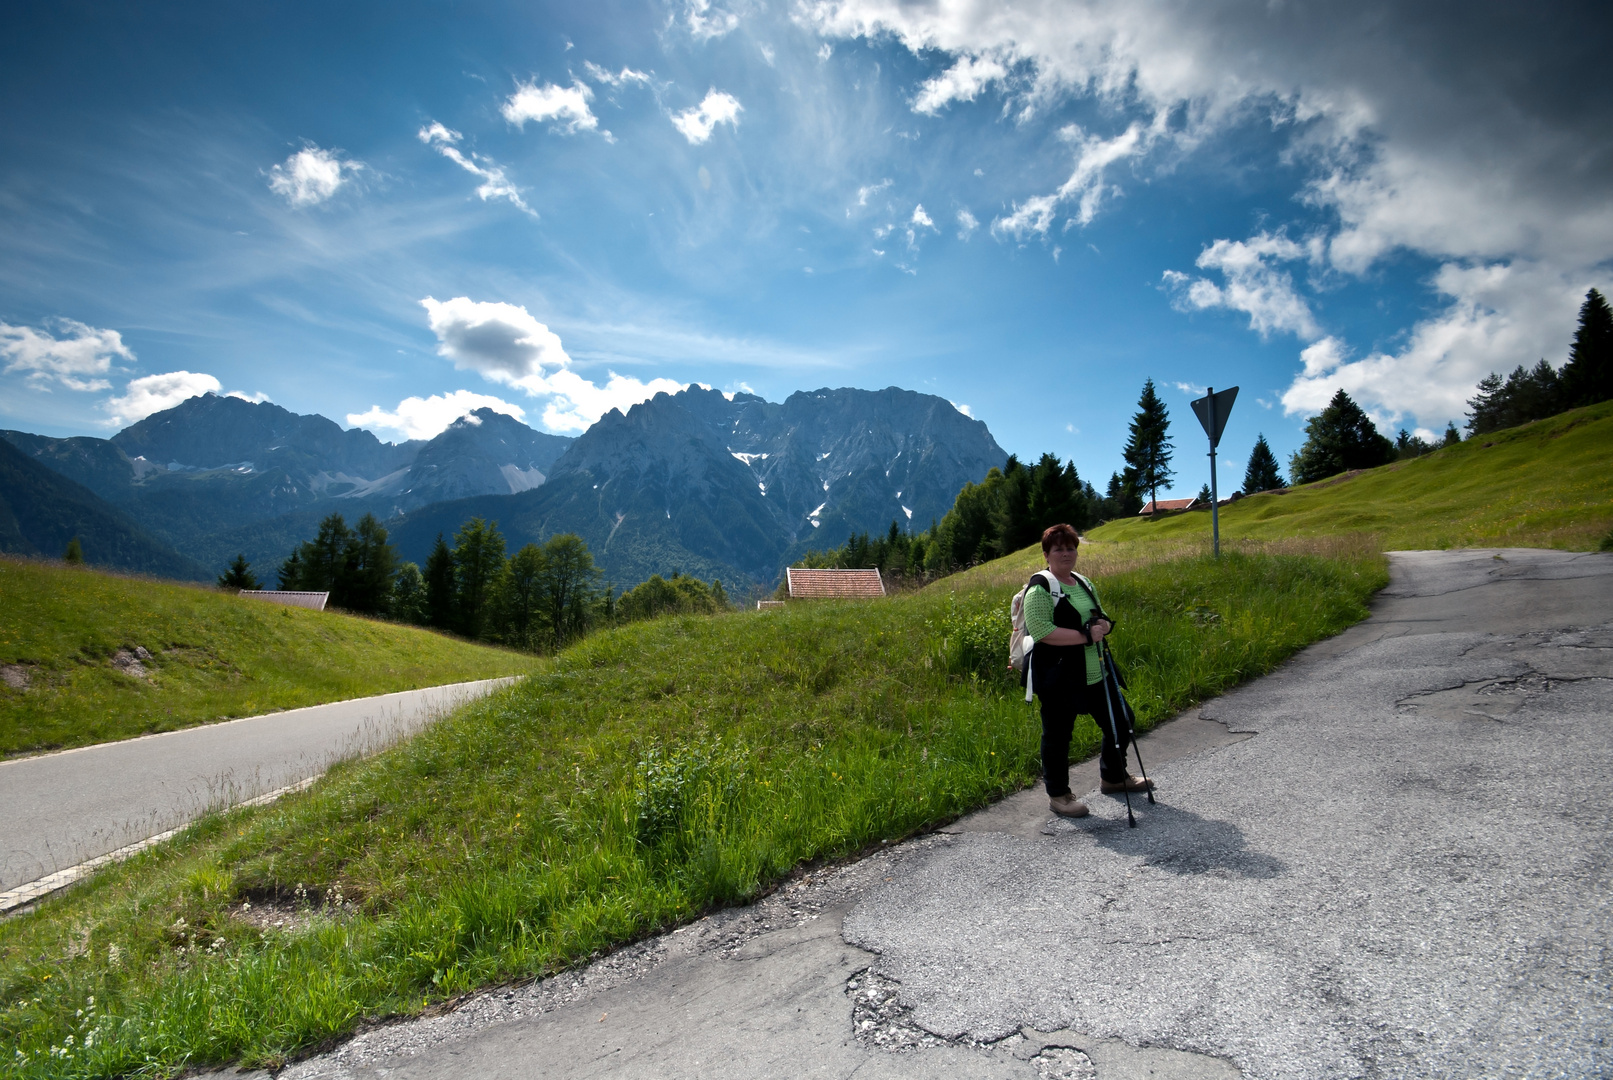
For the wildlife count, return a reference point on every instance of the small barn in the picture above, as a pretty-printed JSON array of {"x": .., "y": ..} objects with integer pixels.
[
  {"x": 834, "y": 584},
  {"x": 1168, "y": 505},
  {"x": 290, "y": 598}
]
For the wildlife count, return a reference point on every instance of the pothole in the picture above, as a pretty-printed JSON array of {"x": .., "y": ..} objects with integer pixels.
[
  {"x": 1064, "y": 1063},
  {"x": 879, "y": 1019}
]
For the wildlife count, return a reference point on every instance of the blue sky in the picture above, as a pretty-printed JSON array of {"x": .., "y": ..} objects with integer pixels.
[{"x": 390, "y": 213}]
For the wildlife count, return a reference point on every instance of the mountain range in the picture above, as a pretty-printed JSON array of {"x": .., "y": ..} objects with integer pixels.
[{"x": 711, "y": 484}]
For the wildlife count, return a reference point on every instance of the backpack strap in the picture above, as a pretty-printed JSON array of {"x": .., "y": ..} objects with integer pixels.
[{"x": 1046, "y": 580}]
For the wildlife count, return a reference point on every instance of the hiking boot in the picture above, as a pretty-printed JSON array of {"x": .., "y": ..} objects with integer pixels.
[
  {"x": 1130, "y": 783},
  {"x": 1067, "y": 806}
]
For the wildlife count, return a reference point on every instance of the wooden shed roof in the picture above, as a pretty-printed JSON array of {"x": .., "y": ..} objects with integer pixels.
[{"x": 844, "y": 584}]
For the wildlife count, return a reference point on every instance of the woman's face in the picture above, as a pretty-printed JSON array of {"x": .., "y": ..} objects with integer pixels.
[{"x": 1061, "y": 560}]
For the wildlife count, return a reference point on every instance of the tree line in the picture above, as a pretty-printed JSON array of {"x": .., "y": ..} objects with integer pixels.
[{"x": 539, "y": 599}]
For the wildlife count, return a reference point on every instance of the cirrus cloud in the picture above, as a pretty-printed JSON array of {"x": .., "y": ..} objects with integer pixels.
[{"x": 495, "y": 184}]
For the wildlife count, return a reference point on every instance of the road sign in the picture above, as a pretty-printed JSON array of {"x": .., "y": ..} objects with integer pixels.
[{"x": 1213, "y": 410}]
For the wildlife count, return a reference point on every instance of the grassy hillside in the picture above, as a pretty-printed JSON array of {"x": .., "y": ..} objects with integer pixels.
[
  {"x": 1545, "y": 484},
  {"x": 213, "y": 656},
  {"x": 644, "y": 776}
]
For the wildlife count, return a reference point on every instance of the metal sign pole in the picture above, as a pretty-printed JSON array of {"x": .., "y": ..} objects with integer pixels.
[
  {"x": 1214, "y": 418},
  {"x": 1215, "y": 502}
]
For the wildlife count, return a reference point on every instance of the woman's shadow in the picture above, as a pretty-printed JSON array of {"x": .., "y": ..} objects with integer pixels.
[{"x": 1172, "y": 839}]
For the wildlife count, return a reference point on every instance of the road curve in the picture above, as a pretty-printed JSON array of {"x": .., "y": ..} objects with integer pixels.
[{"x": 60, "y": 810}]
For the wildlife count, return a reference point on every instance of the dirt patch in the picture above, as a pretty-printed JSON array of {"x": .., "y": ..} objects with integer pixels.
[
  {"x": 130, "y": 662},
  {"x": 16, "y": 676}
]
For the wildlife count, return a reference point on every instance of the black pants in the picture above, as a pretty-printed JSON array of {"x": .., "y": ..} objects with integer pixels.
[{"x": 1059, "y": 711}]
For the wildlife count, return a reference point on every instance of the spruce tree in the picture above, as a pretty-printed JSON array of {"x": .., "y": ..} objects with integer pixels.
[
  {"x": 1452, "y": 436},
  {"x": 1262, "y": 473},
  {"x": 1587, "y": 378},
  {"x": 371, "y": 565},
  {"x": 441, "y": 610},
  {"x": 239, "y": 575},
  {"x": 74, "y": 555},
  {"x": 1339, "y": 438},
  {"x": 1148, "y": 451},
  {"x": 478, "y": 564}
]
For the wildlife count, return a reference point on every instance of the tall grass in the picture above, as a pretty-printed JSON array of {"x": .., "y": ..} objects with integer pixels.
[
  {"x": 212, "y": 656},
  {"x": 640, "y": 778}
]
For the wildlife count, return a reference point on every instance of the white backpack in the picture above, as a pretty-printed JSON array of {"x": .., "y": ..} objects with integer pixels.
[{"x": 1019, "y": 642}]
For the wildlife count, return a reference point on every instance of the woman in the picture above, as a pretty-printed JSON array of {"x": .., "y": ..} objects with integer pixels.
[{"x": 1066, "y": 673}]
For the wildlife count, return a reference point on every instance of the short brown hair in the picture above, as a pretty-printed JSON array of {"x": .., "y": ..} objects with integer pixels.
[{"x": 1059, "y": 536}]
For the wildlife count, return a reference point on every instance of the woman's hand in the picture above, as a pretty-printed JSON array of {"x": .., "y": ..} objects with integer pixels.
[{"x": 1100, "y": 630}]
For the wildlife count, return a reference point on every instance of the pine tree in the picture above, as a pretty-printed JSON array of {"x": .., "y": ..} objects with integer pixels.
[
  {"x": 1339, "y": 438},
  {"x": 1204, "y": 496},
  {"x": 1525, "y": 395},
  {"x": 1148, "y": 451},
  {"x": 441, "y": 610},
  {"x": 1408, "y": 445},
  {"x": 1452, "y": 436},
  {"x": 520, "y": 602},
  {"x": 1262, "y": 473},
  {"x": 239, "y": 575},
  {"x": 1588, "y": 376},
  {"x": 74, "y": 555},
  {"x": 290, "y": 572}
]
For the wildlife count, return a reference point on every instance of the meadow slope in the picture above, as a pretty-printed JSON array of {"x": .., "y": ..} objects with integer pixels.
[
  {"x": 213, "y": 656},
  {"x": 1545, "y": 484}
]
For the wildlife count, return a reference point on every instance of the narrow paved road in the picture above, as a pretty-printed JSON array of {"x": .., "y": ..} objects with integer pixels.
[
  {"x": 59, "y": 810},
  {"x": 1388, "y": 859}
]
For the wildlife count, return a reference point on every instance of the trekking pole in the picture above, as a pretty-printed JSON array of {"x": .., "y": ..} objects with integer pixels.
[
  {"x": 1109, "y": 692},
  {"x": 1131, "y": 718}
]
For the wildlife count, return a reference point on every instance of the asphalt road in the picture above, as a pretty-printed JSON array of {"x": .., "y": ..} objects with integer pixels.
[
  {"x": 59, "y": 810},
  {"x": 1390, "y": 858}
]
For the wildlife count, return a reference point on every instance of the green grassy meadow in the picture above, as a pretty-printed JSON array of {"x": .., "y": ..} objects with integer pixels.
[
  {"x": 640, "y": 778},
  {"x": 213, "y": 656},
  {"x": 1545, "y": 484}
]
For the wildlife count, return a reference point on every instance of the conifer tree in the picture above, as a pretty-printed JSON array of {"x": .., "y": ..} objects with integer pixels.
[
  {"x": 1339, "y": 438},
  {"x": 408, "y": 603},
  {"x": 1262, "y": 473},
  {"x": 478, "y": 563},
  {"x": 1452, "y": 436},
  {"x": 1148, "y": 451},
  {"x": 74, "y": 555},
  {"x": 239, "y": 575},
  {"x": 441, "y": 611},
  {"x": 370, "y": 566},
  {"x": 1588, "y": 376}
]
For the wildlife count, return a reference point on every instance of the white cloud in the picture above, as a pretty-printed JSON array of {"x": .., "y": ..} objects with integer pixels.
[
  {"x": 502, "y": 342},
  {"x": 966, "y": 224},
  {"x": 1254, "y": 285},
  {"x": 1500, "y": 315},
  {"x": 566, "y": 106},
  {"x": 698, "y": 123},
  {"x": 918, "y": 222},
  {"x": 621, "y": 78},
  {"x": 964, "y": 409},
  {"x": 426, "y": 418},
  {"x": 506, "y": 344},
  {"x": 867, "y": 191},
  {"x": 311, "y": 175},
  {"x": 706, "y": 22},
  {"x": 1403, "y": 138},
  {"x": 495, "y": 184},
  {"x": 963, "y": 81},
  {"x": 78, "y": 359},
  {"x": 256, "y": 398},
  {"x": 154, "y": 393},
  {"x": 1086, "y": 186}
]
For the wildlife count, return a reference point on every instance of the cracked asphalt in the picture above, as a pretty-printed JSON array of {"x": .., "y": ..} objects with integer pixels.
[{"x": 1389, "y": 858}]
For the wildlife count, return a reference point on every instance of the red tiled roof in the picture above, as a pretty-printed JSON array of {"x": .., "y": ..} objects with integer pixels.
[
  {"x": 1168, "y": 504},
  {"x": 855, "y": 584}
]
